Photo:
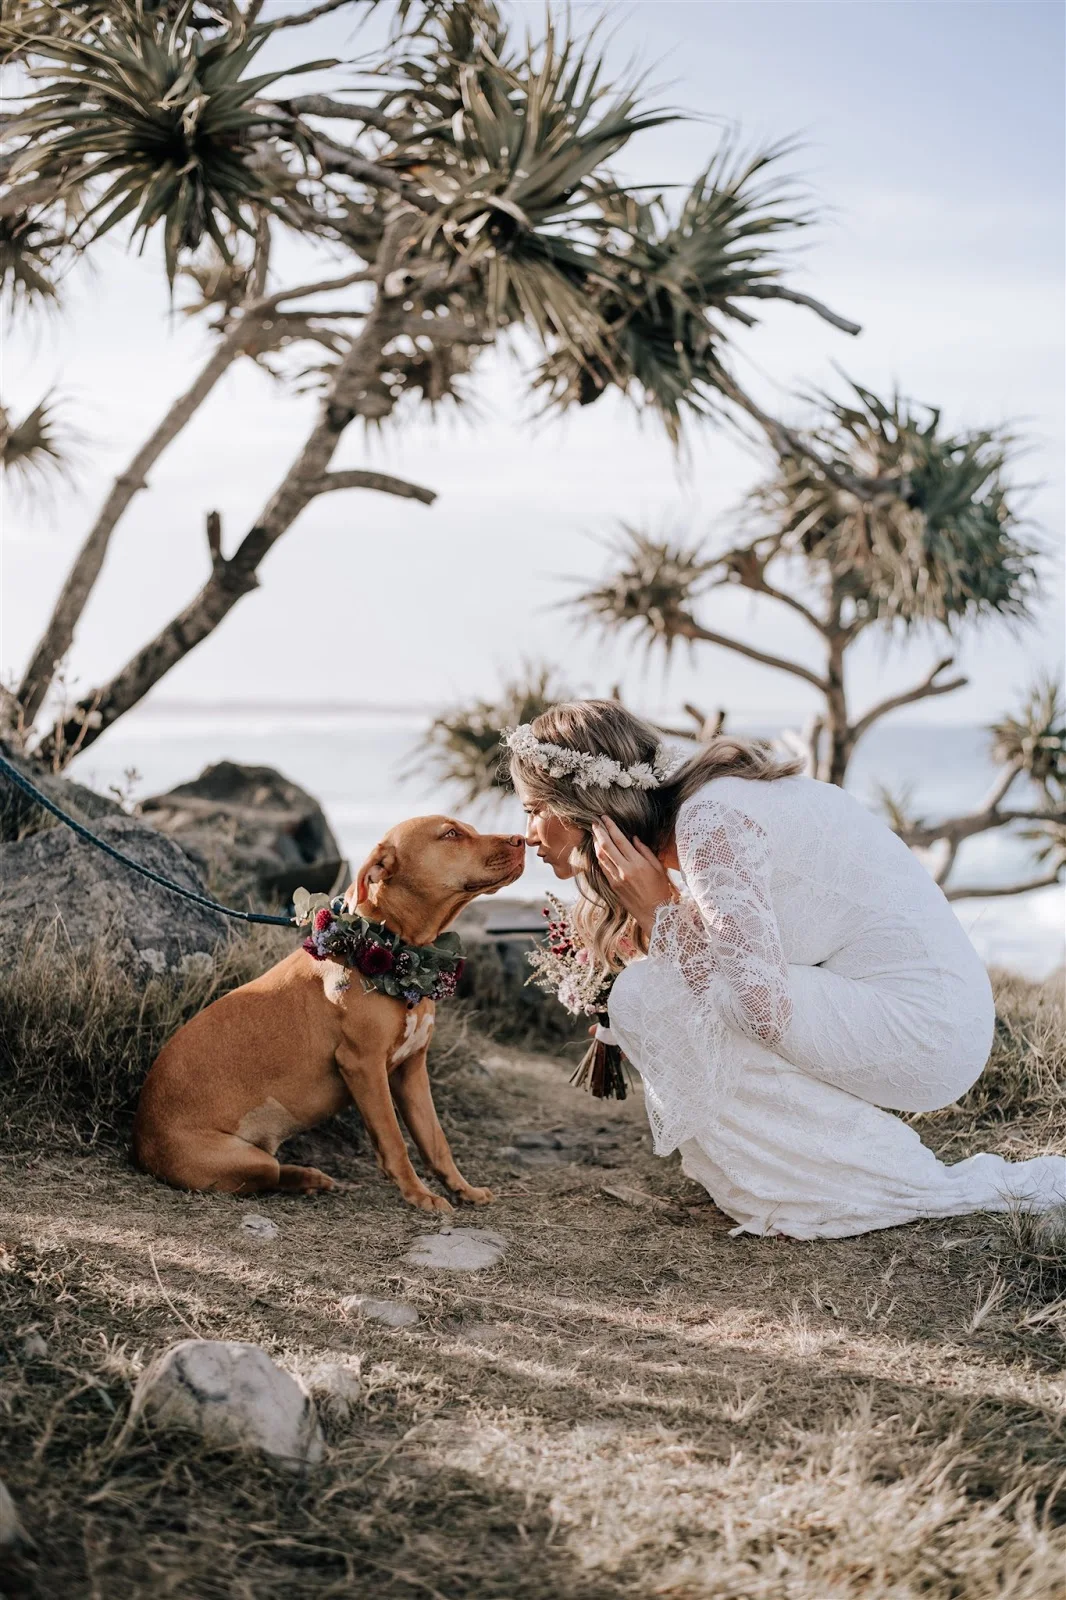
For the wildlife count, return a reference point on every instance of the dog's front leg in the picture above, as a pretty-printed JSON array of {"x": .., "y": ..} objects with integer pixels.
[
  {"x": 412, "y": 1093},
  {"x": 367, "y": 1079}
]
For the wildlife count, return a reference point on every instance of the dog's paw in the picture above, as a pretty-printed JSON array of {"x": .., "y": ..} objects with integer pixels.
[
  {"x": 476, "y": 1197},
  {"x": 427, "y": 1201}
]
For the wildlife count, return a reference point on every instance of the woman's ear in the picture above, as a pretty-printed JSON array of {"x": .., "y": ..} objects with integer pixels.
[{"x": 378, "y": 867}]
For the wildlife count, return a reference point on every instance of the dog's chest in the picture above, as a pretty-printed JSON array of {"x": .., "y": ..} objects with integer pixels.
[{"x": 416, "y": 1035}]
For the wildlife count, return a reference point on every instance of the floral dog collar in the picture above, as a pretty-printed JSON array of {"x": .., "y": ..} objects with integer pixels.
[{"x": 407, "y": 972}]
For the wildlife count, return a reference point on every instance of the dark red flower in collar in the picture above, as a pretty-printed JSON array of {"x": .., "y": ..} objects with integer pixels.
[
  {"x": 374, "y": 960},
  {"x": 323, "y": 918}
]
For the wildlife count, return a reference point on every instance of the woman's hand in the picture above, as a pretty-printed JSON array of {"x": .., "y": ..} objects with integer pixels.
[{"x": 635, "y": 873}]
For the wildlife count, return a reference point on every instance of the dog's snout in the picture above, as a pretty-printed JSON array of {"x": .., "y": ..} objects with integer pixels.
[{"x": 517, "y": 840}]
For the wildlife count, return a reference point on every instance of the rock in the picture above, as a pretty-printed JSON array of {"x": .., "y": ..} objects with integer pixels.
[
  {"x": 496, "y": 976},
  {"x": 56, "y": 875},
  {"x": 259, "y": 835},
  {"x": 20, "y": 816},
  {"x": 393, "y": 1313},
  {"x": 34, "y": 1347},
  {"x": 230, "y": 1394},
  {"x": 259, "y": 1227},
  {"x": 336, "y": 1388},
  {"x": 13, "y": 1535},
  {"x": 457, "y": 1249}
]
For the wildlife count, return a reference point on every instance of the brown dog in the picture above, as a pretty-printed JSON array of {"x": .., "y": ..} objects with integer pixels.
[{"x": 295, "y": 1046}]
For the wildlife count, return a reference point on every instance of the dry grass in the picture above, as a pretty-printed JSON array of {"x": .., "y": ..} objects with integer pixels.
[{"x": 631, "y": 1404}]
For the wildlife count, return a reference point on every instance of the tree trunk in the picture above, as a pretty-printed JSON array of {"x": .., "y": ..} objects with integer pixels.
[
  {"x": 74, "y": 595},
  {"x": 232, "y": 578},
  {"x": 838, "y": 734}
]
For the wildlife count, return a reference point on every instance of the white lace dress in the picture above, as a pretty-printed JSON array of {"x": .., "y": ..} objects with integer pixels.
[{"x": 812, "y": 974}]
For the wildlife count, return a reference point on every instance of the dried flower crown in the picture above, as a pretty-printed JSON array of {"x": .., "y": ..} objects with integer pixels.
[{"x": 590, "y": 771}]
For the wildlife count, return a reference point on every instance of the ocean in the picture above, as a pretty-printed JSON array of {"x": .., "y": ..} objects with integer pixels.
[{"x": 351, "y": 760}]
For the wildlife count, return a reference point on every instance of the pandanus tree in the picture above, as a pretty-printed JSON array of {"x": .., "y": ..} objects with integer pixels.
[
  {"x": 465, "y": 194},
  {"x": 939, "y": 549}
]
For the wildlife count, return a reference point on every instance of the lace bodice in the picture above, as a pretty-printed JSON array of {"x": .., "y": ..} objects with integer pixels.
[{"x": 781, "y": 877}]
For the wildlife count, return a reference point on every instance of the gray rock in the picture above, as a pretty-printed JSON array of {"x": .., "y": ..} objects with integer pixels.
[
  {"x": 259, "y": 1227},
  {"x": 256, "y": 832},
  {"x": 336, "y": 1388},
  {"x": 20, "y": 816},
  {"x": 13, "y": 1535},
  {"x": 54, "y": 876},
  {"x": 230, "y": 1394},
  {"x": 457, "y": 1249},
  {"x": 393, "y": 1313}
]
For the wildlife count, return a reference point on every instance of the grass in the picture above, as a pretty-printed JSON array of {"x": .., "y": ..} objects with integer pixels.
[{"x": 632, "y": 1404}]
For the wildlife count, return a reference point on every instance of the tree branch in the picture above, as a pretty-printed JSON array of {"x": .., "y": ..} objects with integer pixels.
[
  {"x": 993, "y": 891},
  {"x": 921, "y": 835},
  {"x": 689, "y": 628},
  {"x": 321, "y": 105},
  {"x": 331, "y": 158},
  {"x": 774, "y": 291},
  {"x": 214, "y": 537},
  {"x": 371, "y": 480},
  {"x": 921, "y": 691},
  {"x": 297, "y": 19},
  {"x": 323, "y": 286}
]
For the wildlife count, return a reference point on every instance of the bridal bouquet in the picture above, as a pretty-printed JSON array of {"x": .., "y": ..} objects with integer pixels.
[{"x": 562, "y": 966}]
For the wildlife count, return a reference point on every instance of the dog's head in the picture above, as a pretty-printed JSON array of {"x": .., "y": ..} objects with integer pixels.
[{"x": 426, "y": 870}]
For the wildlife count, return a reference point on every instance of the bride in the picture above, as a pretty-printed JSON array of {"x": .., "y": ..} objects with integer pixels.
[{"x": 808, "y": 980}]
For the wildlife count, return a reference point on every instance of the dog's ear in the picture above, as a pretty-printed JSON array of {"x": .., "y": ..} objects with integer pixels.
[{"x": 378, "y": 867}]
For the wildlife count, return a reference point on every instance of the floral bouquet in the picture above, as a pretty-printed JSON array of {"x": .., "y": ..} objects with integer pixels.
[
  {"x": 562, "y": 966},
  {"x": 408, "y": 972}
]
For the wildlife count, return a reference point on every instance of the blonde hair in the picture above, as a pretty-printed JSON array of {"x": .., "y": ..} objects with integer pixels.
[{"x": 603, "y": 727}]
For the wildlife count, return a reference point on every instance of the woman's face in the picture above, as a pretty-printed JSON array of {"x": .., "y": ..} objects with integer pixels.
[{"x": 553, "y": 839}]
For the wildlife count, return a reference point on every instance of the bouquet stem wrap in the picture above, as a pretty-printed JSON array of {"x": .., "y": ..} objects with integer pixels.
[{"x": 602, "y": 1070}]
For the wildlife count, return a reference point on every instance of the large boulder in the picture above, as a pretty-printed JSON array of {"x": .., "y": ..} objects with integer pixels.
[
  {"x": 256, "y": 835},
  {"x": 20, "y": 816},
  {"x": 497, "y": 936},
  {"x": 230, "y": 1394},
  {"x": 56, "y": 876}
]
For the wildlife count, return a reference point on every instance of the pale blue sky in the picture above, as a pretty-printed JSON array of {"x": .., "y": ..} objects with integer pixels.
[{"x": 932, "y": 136}]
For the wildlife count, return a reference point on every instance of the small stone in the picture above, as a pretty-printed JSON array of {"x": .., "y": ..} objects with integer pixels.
[
  {"x": 259, "y": 1227},
  {"x": 457, "y": 1249},
  {"x": 34, "y": 1348},
  {"x": 485, "y": 1334},
  {"x": 393, "y": 1313},
  {"x": 13, "y": 1535},
  {"x": 230, "y": 1394},
  {"x": 336, "y": 1388}
]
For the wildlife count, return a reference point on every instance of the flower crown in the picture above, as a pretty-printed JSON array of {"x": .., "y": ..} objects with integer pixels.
[{"x": 589, "y": 771}]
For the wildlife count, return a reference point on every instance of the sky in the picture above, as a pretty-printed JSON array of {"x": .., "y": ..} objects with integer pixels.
[{"x": 930, "y": 137}]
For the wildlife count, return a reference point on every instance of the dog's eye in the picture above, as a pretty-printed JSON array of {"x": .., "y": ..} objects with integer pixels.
[{"x": 452, "y": 833}]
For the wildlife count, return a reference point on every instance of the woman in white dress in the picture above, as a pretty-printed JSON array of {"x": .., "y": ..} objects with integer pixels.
[{"x": 808, "y": 980}]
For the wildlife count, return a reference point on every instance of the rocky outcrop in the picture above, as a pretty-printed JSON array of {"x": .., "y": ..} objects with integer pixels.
[
  {"x": 55, "y": 878},
  {"x": 256, "y": 835},
  {"x": 20, "y": 816}
]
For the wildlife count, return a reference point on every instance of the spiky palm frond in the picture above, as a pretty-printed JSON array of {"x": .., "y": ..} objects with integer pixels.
[
  {"x": 652, "y": 589},
  {"x": 36, "y": 449},
  {"x": 946, "y": 547},
  {"x": 509, "y": 144},
  {"x": 31, "y": 248},
  {"x": 159, "y": 116},
  {"x": 672, "y": 287},
  {"x": 462, "y": 748},
  {"x": 1034, "y": 737}
]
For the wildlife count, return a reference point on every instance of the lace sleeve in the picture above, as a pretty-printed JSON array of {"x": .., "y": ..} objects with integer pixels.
[
  {"x": 714, "y": 977},
  {"x": 728, "y": 930}
]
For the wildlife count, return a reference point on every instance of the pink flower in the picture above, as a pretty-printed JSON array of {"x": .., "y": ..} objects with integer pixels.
[
  {"x": 323, "y": 918},
  {"x": 582, "y": 958}
]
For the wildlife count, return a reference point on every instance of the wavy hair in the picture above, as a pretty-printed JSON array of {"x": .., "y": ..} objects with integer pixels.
[{"x": 603, "y": 727}]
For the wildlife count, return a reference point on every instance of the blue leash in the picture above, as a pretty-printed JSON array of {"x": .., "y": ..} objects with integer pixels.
[{"x": 13, "y": 775}]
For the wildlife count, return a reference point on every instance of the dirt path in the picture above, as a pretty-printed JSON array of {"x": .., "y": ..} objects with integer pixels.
[{"x": 630, "y": 1403}]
